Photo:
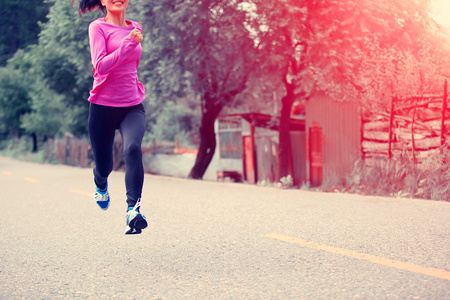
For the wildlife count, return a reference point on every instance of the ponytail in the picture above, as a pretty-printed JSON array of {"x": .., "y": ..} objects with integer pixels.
[{"x": 90, "y": 5}]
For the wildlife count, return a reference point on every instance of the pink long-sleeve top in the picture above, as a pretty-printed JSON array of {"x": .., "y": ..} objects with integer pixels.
[{"x": 115, "y": 58}]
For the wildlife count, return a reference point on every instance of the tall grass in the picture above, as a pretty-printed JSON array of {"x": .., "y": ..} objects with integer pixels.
[{"x": 401, "y": 178}]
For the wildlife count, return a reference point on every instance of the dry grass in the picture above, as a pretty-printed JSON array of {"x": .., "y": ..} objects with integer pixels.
[{"x": 401, "y": 178}]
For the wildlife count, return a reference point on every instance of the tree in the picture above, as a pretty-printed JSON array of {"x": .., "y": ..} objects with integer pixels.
[
  {"x": 320, "y": 46},
  {"x": 19, "y": 25},
  {"x": 52, "y": 78},
  {"x": 64, "y": 61},
  {"x": 45, "y": 117},
  {"x": 44, "y": 107},
  {"x": 202, "y": 47},
  {"x": 19, "y": 22},
  {"x": 15, "y": 101}
]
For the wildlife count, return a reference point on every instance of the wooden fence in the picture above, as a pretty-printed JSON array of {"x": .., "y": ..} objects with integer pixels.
[
  {"x": 69, "y": 151},
  {"x": 417, "y": 126},
  {"x": 78, "y": 152}
]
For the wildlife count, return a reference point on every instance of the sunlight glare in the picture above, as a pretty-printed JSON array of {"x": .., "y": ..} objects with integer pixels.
[{"x": 440, "y": 10}]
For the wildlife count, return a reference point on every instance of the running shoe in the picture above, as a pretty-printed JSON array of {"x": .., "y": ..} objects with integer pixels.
[
  {"x": 102, "y": 197},
  {"x": 135, "y": 220}
]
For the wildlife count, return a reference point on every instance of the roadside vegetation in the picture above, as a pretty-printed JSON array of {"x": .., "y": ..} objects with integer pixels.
[{"x": 401, "y": 178}]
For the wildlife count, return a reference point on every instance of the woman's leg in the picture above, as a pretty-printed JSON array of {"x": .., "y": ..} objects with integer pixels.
[
  {"x": 101, "y": 133},
  {"x": 132, "y": 129}
]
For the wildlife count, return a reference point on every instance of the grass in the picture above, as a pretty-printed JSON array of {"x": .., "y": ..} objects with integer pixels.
[
  {"x": 21, "y": 149},
  {"x": 401, "y": 178}
]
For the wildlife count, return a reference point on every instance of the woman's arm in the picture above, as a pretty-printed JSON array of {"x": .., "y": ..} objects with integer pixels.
[{"x": 103, "y": 63}]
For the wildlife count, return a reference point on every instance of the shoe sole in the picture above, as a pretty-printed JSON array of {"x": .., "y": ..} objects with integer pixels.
[
  {"x": 103, "y": 204},
  {"x": 133, "y": 231},
  {"x": 136, "y": 225}
]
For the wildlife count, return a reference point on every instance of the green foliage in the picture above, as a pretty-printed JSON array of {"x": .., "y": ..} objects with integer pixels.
[
  {"x": 59, "y": 73},
  {"x": 19, "y": 25},
  {"x": 201, "y": 47},
  {"x": 175, "y": 120},
  {"x": 15, "y": 101},
  {"x": 52, "y": 79},
  {"x": 45, "y": 117},
  {"x": 65, "y": 66}
]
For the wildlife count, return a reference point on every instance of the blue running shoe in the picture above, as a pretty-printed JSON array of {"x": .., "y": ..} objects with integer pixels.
[
  {"x": 135, "y": 220},
  {"x": 102, "y": 197}
]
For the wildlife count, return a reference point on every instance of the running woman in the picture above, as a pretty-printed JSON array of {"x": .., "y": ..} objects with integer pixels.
[{"x": 116, "y": 103}]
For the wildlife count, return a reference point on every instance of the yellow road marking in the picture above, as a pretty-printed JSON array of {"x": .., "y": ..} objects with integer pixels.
[
  {"x": 80, "y": 192},
  {"x": 29, "y": 179},
  {"x": 442, "y": 274}
]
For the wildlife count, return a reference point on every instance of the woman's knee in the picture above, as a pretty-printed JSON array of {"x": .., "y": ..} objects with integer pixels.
[{"x": 133, "y": 150}]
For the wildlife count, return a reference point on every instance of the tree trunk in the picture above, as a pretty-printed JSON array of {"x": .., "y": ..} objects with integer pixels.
[
  {"x": 207, "y": 145},
  {"x": 35, "y": 143},
  {"x": 284, "y": 147}
]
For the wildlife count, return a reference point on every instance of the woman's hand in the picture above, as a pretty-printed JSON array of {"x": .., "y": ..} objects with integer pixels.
[{"x": 136, "y": 35}]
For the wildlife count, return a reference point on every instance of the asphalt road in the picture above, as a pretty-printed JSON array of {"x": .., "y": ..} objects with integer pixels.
[{"x": 210, "y": 240}]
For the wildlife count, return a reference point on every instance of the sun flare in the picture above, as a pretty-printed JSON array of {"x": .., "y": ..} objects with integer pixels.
[{"x": 440, "y": 10}]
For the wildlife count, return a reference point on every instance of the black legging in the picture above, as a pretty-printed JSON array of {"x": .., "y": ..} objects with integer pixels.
[{"x": 103, "y": 122}]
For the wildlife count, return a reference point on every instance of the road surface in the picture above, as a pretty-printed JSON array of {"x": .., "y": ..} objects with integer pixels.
[{"x": 210, "y": 240}]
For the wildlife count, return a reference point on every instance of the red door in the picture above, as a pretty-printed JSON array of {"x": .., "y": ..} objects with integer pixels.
[
  {"x": 249, "y": 160},
  {"x": 315, "y": 155}
]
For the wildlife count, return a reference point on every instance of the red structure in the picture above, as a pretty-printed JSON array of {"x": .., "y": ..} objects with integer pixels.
[{"x": 248, "y": 145}]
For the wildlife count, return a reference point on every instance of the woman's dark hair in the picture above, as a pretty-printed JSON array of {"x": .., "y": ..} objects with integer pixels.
[{"x": 90, "y": 5}]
